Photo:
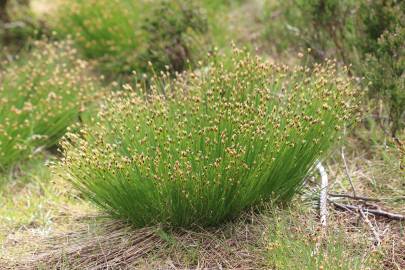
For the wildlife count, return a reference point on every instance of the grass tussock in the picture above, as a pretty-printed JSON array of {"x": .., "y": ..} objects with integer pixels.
[
  {"x": 41, "y": 94},
  {"x": 201, "y": 149}
]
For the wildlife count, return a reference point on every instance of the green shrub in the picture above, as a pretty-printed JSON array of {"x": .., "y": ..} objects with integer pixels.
[
  {"x": 374, "y": 18},
  {"x": 386, "y": 75},
  {"x": 125, "y": 34},
  {"x": 366, "y": 34},
  {"x": 206, "y": 146},
  {"x": 322, "y": 25},
  {"x": 40, "y": 96},
  {"x": 381, "y": 43}
]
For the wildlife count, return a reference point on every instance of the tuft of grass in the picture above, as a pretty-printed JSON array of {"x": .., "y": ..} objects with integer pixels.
[
  {"x": 201, "y": 149},
  {"x": 41, "y": 94}
]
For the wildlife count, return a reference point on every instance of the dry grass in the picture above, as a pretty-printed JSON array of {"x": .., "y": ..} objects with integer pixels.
[
  {"x": 113, "y": 246},
  {"x": 243, "y": 244}
]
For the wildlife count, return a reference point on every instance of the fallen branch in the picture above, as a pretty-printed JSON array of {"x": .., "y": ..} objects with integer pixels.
[
  {"x": 375, "y": 212},
  {"x": 362, "y": 198}
]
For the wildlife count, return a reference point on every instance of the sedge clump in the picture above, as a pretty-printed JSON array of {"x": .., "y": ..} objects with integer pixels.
[
  {"x": 41, "y": 94},
  {"x": 202, "y": 148}
]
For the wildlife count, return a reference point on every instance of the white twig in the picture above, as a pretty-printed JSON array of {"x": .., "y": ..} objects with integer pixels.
[
  {"x": 323, "y": 207},
  {"x": 323, "y": 198}
]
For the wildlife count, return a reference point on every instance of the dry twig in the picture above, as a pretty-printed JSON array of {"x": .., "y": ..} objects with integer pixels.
[{"x": 375, "y": 212}]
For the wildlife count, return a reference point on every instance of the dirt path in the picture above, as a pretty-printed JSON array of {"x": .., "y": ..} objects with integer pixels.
[{"x": 43, "y": 8}]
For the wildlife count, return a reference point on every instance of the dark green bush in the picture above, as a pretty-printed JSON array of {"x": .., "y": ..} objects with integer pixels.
[
  {"x": 384, "y": 69},
  {"x": 321, "y": 25},
  {"x": 365, "y": 34},
  {"x": 380, "y": 41},
  {"x": 374, "y": 19}
]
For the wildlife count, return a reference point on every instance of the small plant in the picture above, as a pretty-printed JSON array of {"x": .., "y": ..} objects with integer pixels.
[
  {"x": 375, "y": 18},
  {"x": 386, "y": 76},
  {"x": 40, "y": 96},
  {"x": 203, "y": 148}
]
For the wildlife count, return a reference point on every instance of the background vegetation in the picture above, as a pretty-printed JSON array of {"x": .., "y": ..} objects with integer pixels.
[{"x": 367, "y": 35}]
